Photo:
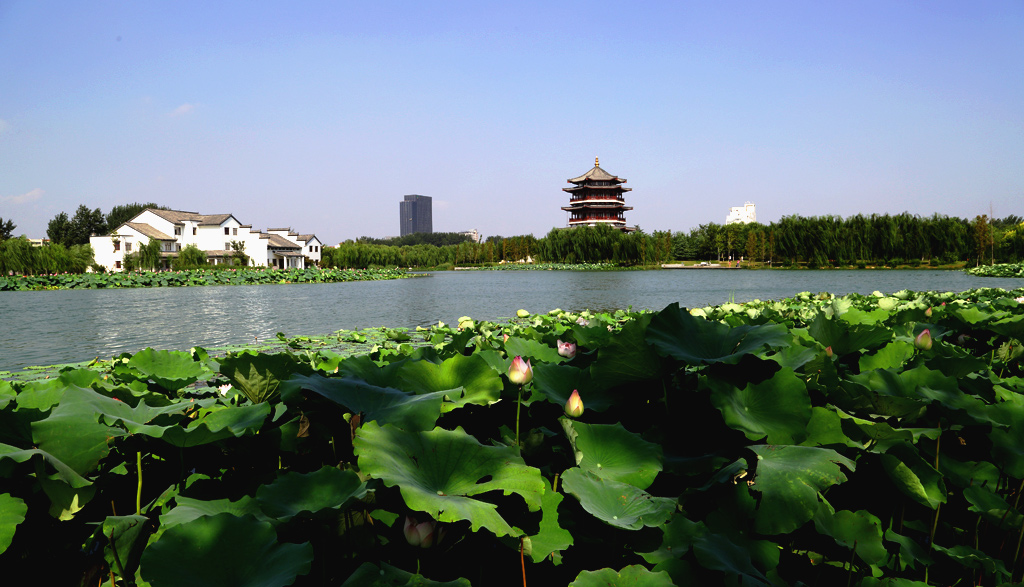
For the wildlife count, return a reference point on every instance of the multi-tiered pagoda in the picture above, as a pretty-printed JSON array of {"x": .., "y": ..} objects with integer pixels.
[{"x": 596, "y": 198}]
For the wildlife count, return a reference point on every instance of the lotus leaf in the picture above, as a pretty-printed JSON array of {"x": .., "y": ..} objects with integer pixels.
[
  {"x": 171, "y": 370},
  {"x": 913, "y": 476},
  {"x": 860, "y": 530},
  {"x": 385, "y": 575},
  {"x": 722, "y": 553},
  {"x": 188, "y": 509},
  {"x": 675, "y": 333},
  {"x": 126, "y": 536},
  {"x": 789, "y": 479},
  {"x": 778, "y": 408},
  {"x": 73, "y": 434},
  {"x": 551, "y": 537},
  {"x": 679, "y": 534},
  {"x": 557, "y": 383},
  {"x": 439, "y": 471},
  {"x": 616, "y": 503},
  {"x": 523, "y": 347},
  {"x": 631, "y": 576},
  {"x": 294, "y": 493},
  {"x": 612, "y": 452},
  {"x": 224, "y": 550},
  {"x": 626, "y": 358},
  {"x": 468, "y": 379},
  {"x": 259, "y": 376},
  {"x": 383, "y": 404},
  {"x": 12, "y": 513},
  {"x": 845, "y": 338}
]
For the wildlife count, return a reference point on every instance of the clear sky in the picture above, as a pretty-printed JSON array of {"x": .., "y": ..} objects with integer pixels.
[{"x": 322, "y": 115}]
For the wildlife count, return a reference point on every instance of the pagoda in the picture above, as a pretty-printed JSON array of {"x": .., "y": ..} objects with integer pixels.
[{"x": 596, "y": 198}]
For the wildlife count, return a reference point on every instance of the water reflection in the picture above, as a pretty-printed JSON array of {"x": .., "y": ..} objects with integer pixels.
[{"x": 43, "y": 328}]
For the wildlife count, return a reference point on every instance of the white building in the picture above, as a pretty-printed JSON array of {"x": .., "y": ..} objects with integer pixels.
[
  {"x": 211, "y": 233},
  {"x": 744, "y": 214},
  {"x": 473, "y": 234}
]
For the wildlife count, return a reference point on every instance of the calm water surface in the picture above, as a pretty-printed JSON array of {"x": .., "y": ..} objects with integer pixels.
[{"x": 51, "y": 327}]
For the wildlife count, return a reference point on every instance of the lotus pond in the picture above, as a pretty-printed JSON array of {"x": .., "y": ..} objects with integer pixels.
[
  {"x": 818, "y": 440},
  {"x": 191, "y": 277}
]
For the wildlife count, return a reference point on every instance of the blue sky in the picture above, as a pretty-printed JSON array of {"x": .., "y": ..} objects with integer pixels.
[{"x": 322, "y": 115}]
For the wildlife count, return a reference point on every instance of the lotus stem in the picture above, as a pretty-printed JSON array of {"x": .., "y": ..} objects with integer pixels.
[
  {"x": 522, "y": 559},
  {"x": 138, "y": 490},
  {"x": 519, "y": 403},
  {"x": 117, "y": 559}
]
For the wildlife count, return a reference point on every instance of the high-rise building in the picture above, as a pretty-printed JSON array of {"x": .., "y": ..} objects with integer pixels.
[
  {"x": 596, "y": 198},
  {"x": 415, "y": 215},
  {"x": 742, "y": 214}
]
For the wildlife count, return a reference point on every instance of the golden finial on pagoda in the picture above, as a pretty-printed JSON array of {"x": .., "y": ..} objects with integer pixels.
[{"x": 597, "y": 162}]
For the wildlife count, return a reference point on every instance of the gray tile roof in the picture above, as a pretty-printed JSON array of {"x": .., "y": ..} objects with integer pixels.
[
  {"x": 180, "y": 217},
  {"x": 149, "y": 231}
]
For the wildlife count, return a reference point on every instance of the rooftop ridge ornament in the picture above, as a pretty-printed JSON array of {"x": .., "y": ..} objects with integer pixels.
[{"x": 597, "y": 162}]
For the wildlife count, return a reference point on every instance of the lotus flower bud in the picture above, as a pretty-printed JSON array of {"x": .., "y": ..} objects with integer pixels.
[
  {"x": 522, "y": 313},
  {"x": 924, "y": 340},
  {"x": 828, "y": 352},
  {"x": 520, "y": 372},
  {"x": 419, "y": 533},
  {"x": 567, "y": 349},
  {"x": 574, "y": 407}
]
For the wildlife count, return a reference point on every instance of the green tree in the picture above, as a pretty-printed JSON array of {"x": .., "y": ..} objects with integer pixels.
[
  {"x": 59, "y": 229},
  {"x": 6, "y": 229},
  {"x": 118, "y": 215}
]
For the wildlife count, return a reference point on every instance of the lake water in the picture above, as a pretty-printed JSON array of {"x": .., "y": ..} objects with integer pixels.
[{"x": 52, "y": 327}]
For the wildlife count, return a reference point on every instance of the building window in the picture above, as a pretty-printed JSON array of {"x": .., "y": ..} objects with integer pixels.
[
  {"x": 117, "y": 246},
  {"x": 128, "y": 246},
  {"x": 117, "y": 264},
  {"x": 227, "y": 231},
  {"x": 179, "y": 247},
  {"x": 234, "y": 232},
  {"x": 193, "y": 231},
  {"x": 227, "y": 246},
  {"x": 177, "y": 231}
]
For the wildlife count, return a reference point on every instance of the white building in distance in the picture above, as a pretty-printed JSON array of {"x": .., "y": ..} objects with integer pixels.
[
  {"x": 744, "y": 214},
  {"x": 213, "y": 234}
]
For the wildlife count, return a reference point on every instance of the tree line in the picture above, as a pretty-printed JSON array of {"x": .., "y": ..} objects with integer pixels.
[{"x": 76, "y": 229}]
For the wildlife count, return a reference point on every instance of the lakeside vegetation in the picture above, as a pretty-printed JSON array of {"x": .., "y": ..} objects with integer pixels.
[
  {"x": 999, "y": 270},
  {"x": 863, "y": 440},
  {"x": 192, "y": 277},
  {"x": 860, "y": 241}
]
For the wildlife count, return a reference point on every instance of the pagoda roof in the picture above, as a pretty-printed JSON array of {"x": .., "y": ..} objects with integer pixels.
[
  {"x": 577, "y": 188},
  {"x": 596, "y": 174}
]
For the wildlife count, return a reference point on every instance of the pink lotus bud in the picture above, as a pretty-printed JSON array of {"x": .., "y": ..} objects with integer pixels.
[
  {"x": 924, "y": 340},
  {"x": 574, "y": 407},
  {"x": 928, "y": 312},
  {"x": 520, "y": 372},
  {"x": 567, "y": 349},
  {"x": 828, "y": 352},
  {"x": 419, "y": 534}
]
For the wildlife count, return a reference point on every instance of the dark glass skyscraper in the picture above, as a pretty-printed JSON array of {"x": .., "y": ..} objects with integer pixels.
[{"x": 416, "y": 215}]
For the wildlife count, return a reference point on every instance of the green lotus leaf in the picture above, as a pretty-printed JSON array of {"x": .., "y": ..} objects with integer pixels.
[
  {"x": 171, "y": 370},
  {"x": 12, "y": 513},
  {"x": 294, "y": 493},
  {"x": 789, "y": 479},
  {"x": 385, "y": 575},
  {"x": 384, "y": 404},
  {"x": 439, "y": 471},
  {"x": 720, "y": 552},
  {"x": 778, "y": 408},
  {"x": 65, "y": 500},
  {"x": 73, "y": 433},
  {"x": 626, "y": 359},
  {"x": 912, "y": 475},
  {"x": 536, "y": 351},
  {"x": 845, "y": 338},
  {"x": 188, "y": 509},
  {"x": 224, "y": 550},
  {"x": 126, "y": 536},
  {"x": 824, "y": 428},
  {"x": 616, "y": 503},
  {"x": 467, "y": 379},
  {"x": 612, "y": 452},
  {"x": 891, "y": 356},
  {"x": 860, "y": 530},
  {"x": 551, "y": 537},
  {"x": 64, "y": 472},
  {"x": 557, "y": 382},
  {"x": 679, "y": 534},
  {"x": 890, "y": 582},
  {"x": 794, "y": 357},
  {"x": 973, "y": 558},
  {"x": 992, "y": 506},
  {"x": 911, "y": 553},
  {"x": 673, "y": 332},
  {"x": 631, "y": 576},
  {"x": 259, "y": 376}
]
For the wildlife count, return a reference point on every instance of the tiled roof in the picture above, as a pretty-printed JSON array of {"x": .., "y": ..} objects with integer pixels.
[
  {"x": 180, "y": 217},
  {"x": 149, "y": 231},
  {"x": 279, "y": 242},
  {"x": 596, "y": 174}
]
